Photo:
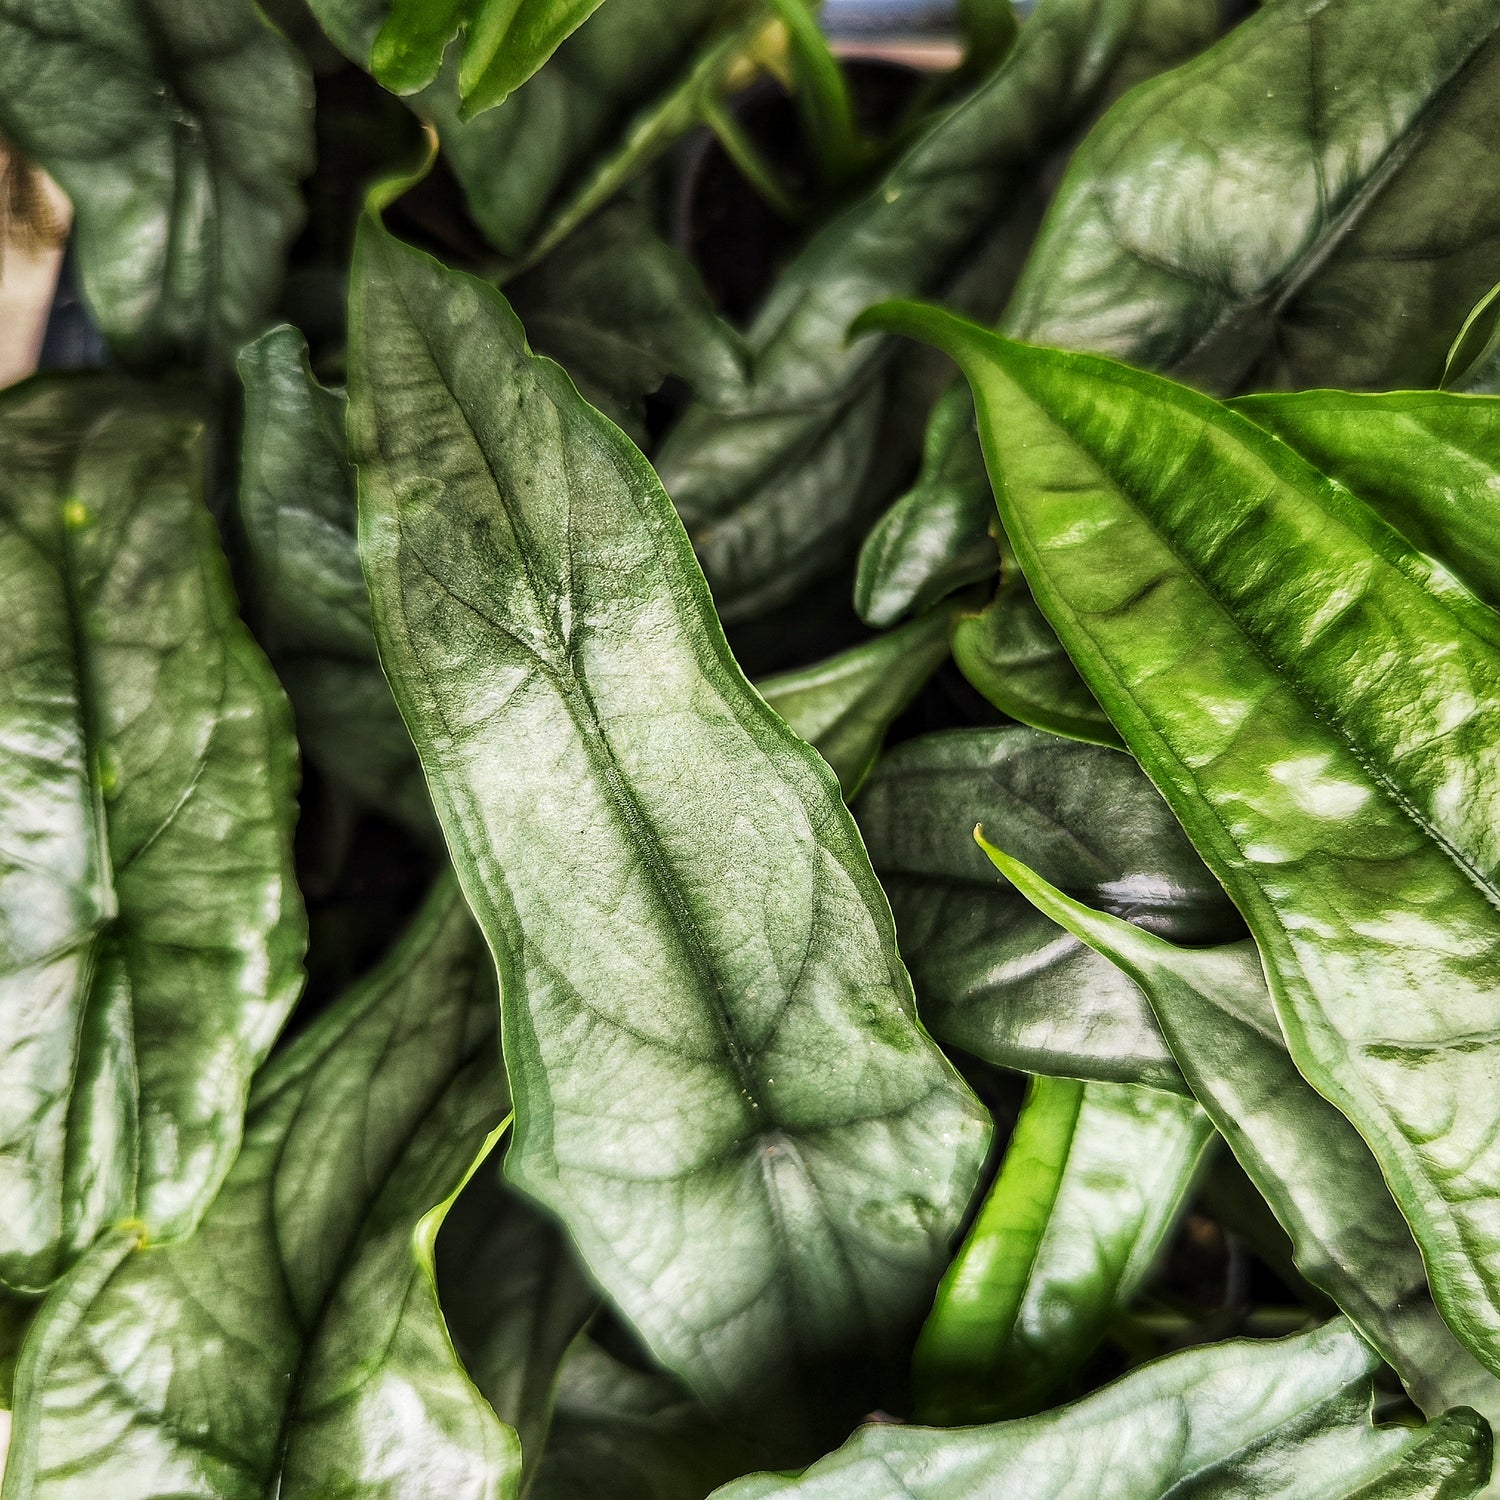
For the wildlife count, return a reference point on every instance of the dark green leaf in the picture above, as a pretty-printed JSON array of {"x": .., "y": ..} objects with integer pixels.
[
  {"x": 1294, "y": 206},
  {"x": 293, "y": 1346},
  {"x": 992, "y": 976},
  {"x": 504, "y": 43},
  {"x": 1090, "y": 1188},
  {"x": 630, "y": 1435},
  {"x": 515, "y": 1300},
  {"x": 179, "y": 130},
  {"x": 989, "y": 32},
  {"x": 845, "y": 705},
  {"x": 297, "y": 510},
  {"x": 1320, "y": 703},
  {"x": 1317, "y": 1174},
  {"x": 620, "y": 309},
  {"x": 1291, "y": 208},
  {"x": 1013, "y": 656},
  {"x": 1288, "y": 1418},
  {"x": 627, "y": 84},
  {"x": 937, "y": 537},
  {"x": 774, "y": 493},
  {"x": 720, "y": 1086},
  {"x": 151, "y": 932}
]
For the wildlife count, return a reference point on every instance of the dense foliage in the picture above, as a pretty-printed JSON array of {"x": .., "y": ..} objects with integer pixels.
[{"x": 1034, "y": 1035}]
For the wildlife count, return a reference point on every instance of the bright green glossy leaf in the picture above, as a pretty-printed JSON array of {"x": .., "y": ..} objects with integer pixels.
[
  {"x": 179, "y": 130},
  {"x": 1348, "y": 1237},
  {"x": 1092, "y": 1184},
  {"x": 1320, "y": 704},
  {"x": 515, "y": 1299},
  {"x": 297, "y": 512},
  {"x": 620, "y": 309},
  {"x": 1288, "y": 1419},
  {"x": 992, "y": 975},
  {"x": 626, "y": 85},
  {"x": 293, "y": 1346},
  {"x": 1428, "y": 463},
  {"x": 720, "y": 1086},
  {"x": 631, "y": 1435},
  {"x": 845, "y": 705},
  {"x": 773, "y": 494},
  {"x": 1291, "y": 208},
  {"x": 1013, "y": 656},
  {"x": 151, "y": 932},
  {"x": 504, "y": 43}
]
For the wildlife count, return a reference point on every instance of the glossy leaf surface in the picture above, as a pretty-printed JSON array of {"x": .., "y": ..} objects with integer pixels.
[
  {"x": 992, "y": 976},
  {"x": 1092, "y": 1184},
  {"x": 720, "y": 1086},
  {"x": 1361, "y": 129},
  {"x": 179, "y": 130},
  {"x": 297, "y": 511},
  {"x": 1428, "y": 463},
  {"x": 937, "y": 537},
  {"x": 773, "y": 493},
  {"x": 845, "y": 705},
  {"x": 151, "y": 932},
  {"x": 1288, "y": 1418},
  {"x": 1289, "y": 209},
  {"x": 503, "y": 43},
  {"x": 1009, "y": 652},
  {"x": 1320, "y": 704},
  {"x": 1319, "y": 1177},
  {"x": 307, "y": 1291}
]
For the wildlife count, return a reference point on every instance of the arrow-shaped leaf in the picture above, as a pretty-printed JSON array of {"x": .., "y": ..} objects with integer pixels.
[
  {"x": 720, "y": 1085},
  {"x": 1320, "y": 703}
]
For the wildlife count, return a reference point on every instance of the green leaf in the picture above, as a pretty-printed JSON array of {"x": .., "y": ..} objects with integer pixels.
[
  {"x": 992, "y": 976},
  {"x": 297, "y": 512},
  {"x": 1012, "y": 655},
  {"x": 1288, "y": 1418},
  {"x": 720, "y": 1086},
  {"x": 151, "y": 932},
  {"x": 1319, "y": 1177},
  {"x": 1292, "y": 208},
  {"x": 504, "y": 43},
  {"x": 294, "y": 1346},
  {"x": 1320, "y": 704},
  {"x": 631, "y": 1435},
  {"x": 821, "y": 94},
  {"x": 627, "y": 84},
  {"x": 936, "y": 538},
  {"x": 1391, "y": 449},
  {"x": 844, "y": 705},
  {"x": 179, "y": 130},
  {"x": 989, "y": 31},
  {"x": 1091, "y": 1186},
  {"x": 774, "y": 493},
  {"x": 515, "y": 1299},
  {"x": 621, "y": 309}
]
